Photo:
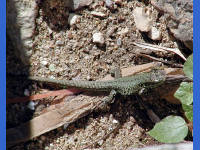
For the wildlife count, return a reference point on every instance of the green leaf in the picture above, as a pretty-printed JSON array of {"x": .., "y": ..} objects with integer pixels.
[
  {"x": 188, "y": 67},
  {"x": 171, "y": 129},
  {"x": 185, "y": 93},
  {"x": 188, "y": 111}
]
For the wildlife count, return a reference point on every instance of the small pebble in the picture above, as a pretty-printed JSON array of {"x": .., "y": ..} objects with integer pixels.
[
  {"x": 119, "y": 41},
  {"x": 46, "y": 148},
  {"x": 142, "y": 20},
  {"x": 109, "y": 4},
  {"x": 110, "y": 129},
  {"x": 50, "y": 30},
  {"x": 98, "y": 38},
  {"x": 110, "y": 32},
  {"x": 98, "y": 14},
  {"x": 123, "y": 31},
  {"x": 44, "y": 62},
  {"x": 78, "y": 4},
  {"x": 26, "y": 92},
  {"x": 88, "y": 77},
  {"x": 65, "y": 126},
  {"x": 115, "y": 121},
  {"x": 29, "y": 52},
  {"x": 51, "y": 145},
  {"x": 100, "y": 142},
  {"x": 31, "y": 105},
  {"x": 87, "y": 57},
  {"x": 70, "y": 35},
  {"x": 59, "y": 43},
  {"x": 73, "y": 18},
  {"x": 52, "y": 67},
  {"x": 154, "y": 34}
]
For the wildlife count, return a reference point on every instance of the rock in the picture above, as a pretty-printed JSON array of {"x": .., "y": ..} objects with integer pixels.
[
  {"x": 59, "y": 43},
  {"x": 115, "y": 121},
  {"x": 100, "y": 142},
  {"x": 123, "y": 31},
  {"x": 98, "y": 38},
  {"x": 154, "y": 34},
  {"x": 78, "y": 4},
  {"x": 70, "y": 35},
  {"x": 110, "y": 4},
  {"x": 119, "y": 41},
  {"x": 142, "y": 21},
  {"x": 26, "y": 92},
  {"x": 111, "y": 31},
  {"x": 52, "y": 67},
  {"x": 31, "y": 105},
  {"x": 98, "y": 14},
  {"x": 119, "y": 2},
  {"x": 179, "y": 15},
  {"x": 44, "y": 62},
  {"x": 65, "y": 126},
  {"x": 20, "y": 21},
  {"x": 72, "y": 20}
]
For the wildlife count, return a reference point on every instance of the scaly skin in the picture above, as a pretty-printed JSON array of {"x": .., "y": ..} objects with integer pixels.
[{"x": 124, "y": 85}]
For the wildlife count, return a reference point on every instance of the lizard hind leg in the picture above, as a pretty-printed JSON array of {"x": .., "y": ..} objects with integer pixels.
[{"x": 108, "y": 100}]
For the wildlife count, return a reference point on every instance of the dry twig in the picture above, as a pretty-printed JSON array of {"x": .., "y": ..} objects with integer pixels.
[{"x": 160, "y": 48}]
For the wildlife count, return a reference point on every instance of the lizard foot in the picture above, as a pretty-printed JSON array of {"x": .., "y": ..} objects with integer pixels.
[{"x": 108, "y": 100}]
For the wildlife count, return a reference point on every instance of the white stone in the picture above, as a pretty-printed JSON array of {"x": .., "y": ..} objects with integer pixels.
[
  {"x": 123, "y": 31},
  {"x": 72, "y": 19},
  {"x": 100, "y": 142},
  {"x": 98, "y": 38},
  {"x": 59, "y": 43},
  {"x": 26, "y": 92},
  {"x": 109, "y": 4},
  {"x": 31, "y": 105},
  {"x": 119, "y": 41},
  {"x": 98, "y": 14},
  {"x": 115, "y": 121},
  {"x": 78, "y": 4},
  {"x": 154, "y": 34},
  {"x": 52, "y": 67},
  {"x": 44, "y": 62},
  {"x": 142, "y": 20},
  {"x": 65, "y": 126}
]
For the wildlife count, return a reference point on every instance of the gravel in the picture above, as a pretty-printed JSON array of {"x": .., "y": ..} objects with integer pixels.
[{"x": 66, "y": 49}]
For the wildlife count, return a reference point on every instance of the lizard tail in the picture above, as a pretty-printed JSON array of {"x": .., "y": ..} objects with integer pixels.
[{"x": 80, "y": 84}]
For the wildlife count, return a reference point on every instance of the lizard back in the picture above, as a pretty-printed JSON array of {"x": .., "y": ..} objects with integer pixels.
[{"x": 125, "y": 85}]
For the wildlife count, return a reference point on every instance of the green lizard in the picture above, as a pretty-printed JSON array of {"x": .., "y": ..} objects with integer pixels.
[{"x": 123, "y": 85}]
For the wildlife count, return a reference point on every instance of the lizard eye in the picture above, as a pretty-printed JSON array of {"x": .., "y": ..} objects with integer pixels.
[
  {"x": 156, "y": 77},
  {"x": 156, "y": 80}
]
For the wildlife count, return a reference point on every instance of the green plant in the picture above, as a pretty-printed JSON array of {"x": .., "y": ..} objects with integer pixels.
[{"x": 174, "y": 129}]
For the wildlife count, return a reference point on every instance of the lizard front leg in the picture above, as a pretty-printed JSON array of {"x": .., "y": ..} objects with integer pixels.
[{"x": 116, "y": 72}]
